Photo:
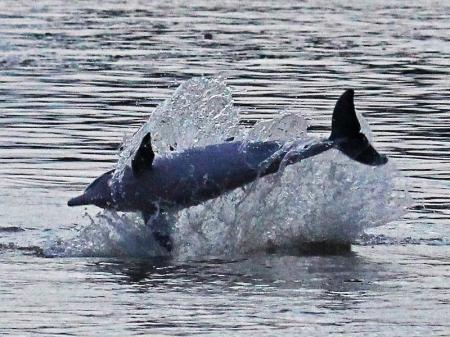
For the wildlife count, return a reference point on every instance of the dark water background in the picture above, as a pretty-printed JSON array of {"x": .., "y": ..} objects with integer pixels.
[{"x": 76, "y": 76}]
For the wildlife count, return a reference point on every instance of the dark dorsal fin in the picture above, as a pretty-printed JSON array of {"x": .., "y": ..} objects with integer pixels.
[
  {"x": 345, "y": 122},
  {"x": 144, "y": 155}
]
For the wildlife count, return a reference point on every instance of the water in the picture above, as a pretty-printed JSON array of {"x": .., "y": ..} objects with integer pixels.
[{"x": 76, "y": 78}]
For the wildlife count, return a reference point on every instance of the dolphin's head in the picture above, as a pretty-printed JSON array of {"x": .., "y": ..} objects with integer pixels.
[{"x": 98, "y": 193}]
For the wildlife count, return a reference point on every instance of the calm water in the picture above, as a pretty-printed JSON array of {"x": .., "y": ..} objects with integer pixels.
[{"x": 74, "y": 78}]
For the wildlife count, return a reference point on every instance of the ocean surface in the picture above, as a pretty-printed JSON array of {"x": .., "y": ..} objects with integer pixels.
[{"x": 79, "y": 77}]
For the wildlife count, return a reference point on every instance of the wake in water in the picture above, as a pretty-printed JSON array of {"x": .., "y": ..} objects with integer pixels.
[{"x": 325, "y": 198}]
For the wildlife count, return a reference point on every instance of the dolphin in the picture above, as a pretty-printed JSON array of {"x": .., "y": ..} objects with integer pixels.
[{"x": 155, "y": 184}]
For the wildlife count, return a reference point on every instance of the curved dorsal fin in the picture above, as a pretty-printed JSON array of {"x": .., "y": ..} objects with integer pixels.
[{"x": 144, "y": 155}]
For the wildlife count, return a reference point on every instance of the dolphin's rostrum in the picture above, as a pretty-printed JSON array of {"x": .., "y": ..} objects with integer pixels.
[{"x": 154, "y": 184}]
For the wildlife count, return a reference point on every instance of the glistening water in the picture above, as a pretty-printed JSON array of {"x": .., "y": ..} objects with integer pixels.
[{"x": 78, "y": 78}]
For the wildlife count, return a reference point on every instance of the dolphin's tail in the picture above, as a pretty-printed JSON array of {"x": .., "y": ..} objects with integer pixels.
[{"x": 346, "y": 133}]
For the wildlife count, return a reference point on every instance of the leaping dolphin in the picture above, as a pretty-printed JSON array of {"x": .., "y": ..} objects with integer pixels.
[{"x": 162, "y": 183}]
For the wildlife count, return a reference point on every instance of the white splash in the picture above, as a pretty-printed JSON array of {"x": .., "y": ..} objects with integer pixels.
[
  {"x": 325, "y": 198},
  {"x": 107, "y": 234}
]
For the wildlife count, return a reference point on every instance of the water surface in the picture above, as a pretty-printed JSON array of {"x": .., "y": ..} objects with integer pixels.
[{"x": 76, "y": 77}]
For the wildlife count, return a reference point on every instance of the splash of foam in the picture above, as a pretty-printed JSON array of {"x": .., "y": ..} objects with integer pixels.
[
  {"x": 107, "y": 234},
  {"x": 325, "y": 198}
]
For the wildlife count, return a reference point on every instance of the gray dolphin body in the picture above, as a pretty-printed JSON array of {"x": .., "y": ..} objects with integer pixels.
[{"x": 182, "y": 179}]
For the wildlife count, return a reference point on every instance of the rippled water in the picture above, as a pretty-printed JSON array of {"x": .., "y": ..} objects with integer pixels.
[{"x": 76, "y": 77}]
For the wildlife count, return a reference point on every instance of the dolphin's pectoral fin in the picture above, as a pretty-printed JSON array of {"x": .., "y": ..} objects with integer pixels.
[
  {"x": 160, "y": 227},
  {"x": 147, "y": 216},
  {"x": 144, "y": 155},
  {"x": 164, "y": 241}
]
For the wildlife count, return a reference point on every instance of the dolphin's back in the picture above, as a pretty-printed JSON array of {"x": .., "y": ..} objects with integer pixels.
[
  {"x": 187, "y": 178},
  {"x": 199, "y": 174}
]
